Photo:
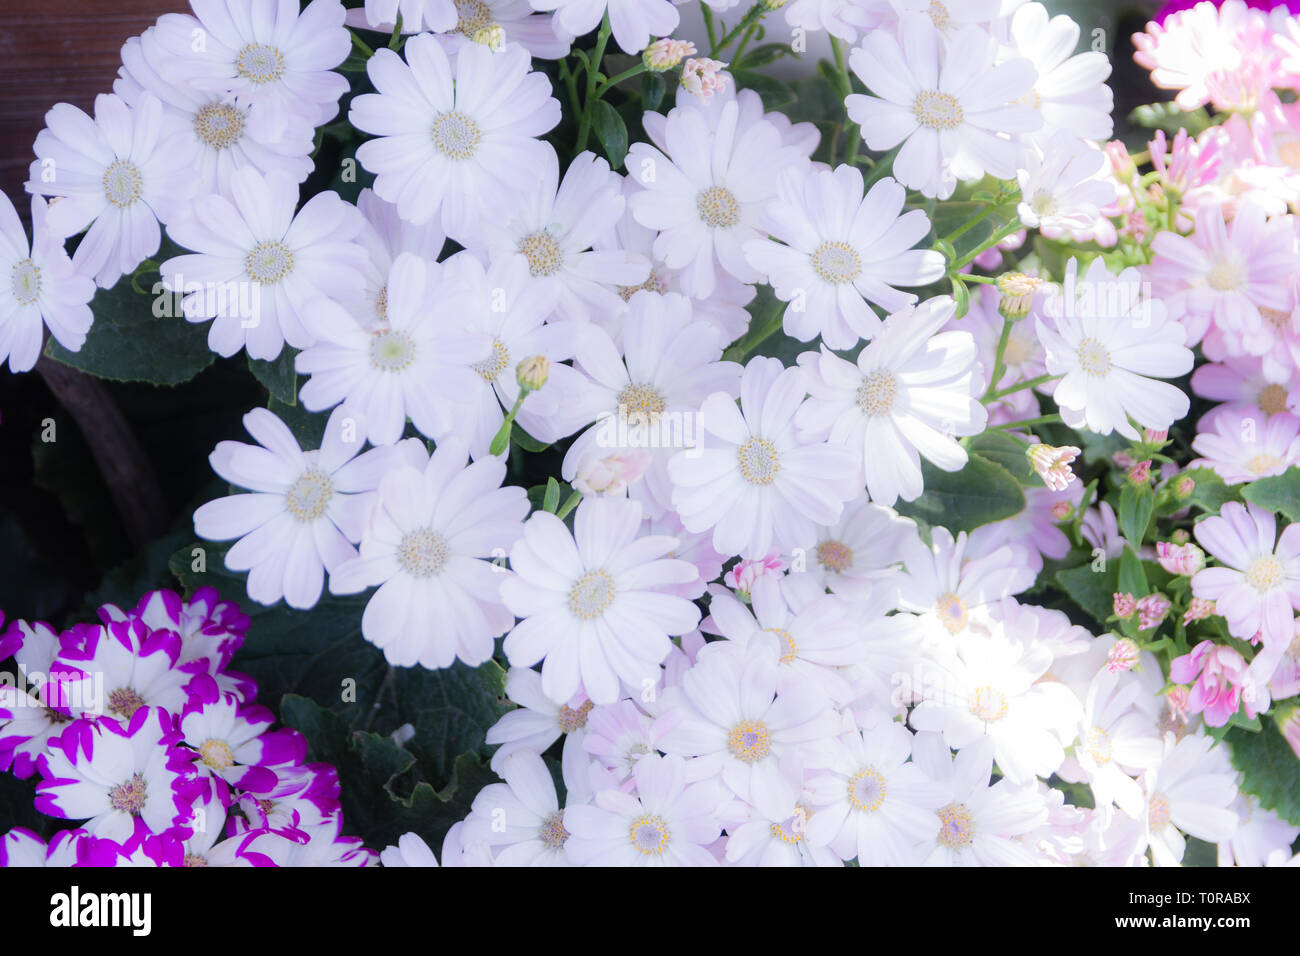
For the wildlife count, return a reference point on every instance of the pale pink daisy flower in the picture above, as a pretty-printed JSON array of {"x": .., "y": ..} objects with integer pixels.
[
  {"x": 491, "y": 23},
  {"x": 1062, "y": 187},
  {"x": 430, "y": 544},
  {"x": 862, "y": 552},
  {"x": 537, "y": 721},
  {"x": 1226, "y": 274},
  {"x": 1071, "y": 91},
  {"x": 912, "y": 393},
  {"x": 753, "y": 481},
  {"x": 1260, "y": 833},
  {"x": 274, "y": 58},
  {"x": 761, "y": 840},
  {"x": 1256, "y": 586},
  {"x": 1244, "y": 380},
  {"x": 1190, "y": 791},
  {"x": 416, "y": 363},
  {"x": 665, "y": 821},
  {"x": 463, "y": 148},
  {"x": 1242, "y": 444},
  {"x": 45, "y": 290},
  {"x": 706, "y": 182},
  {"x": 839, "y": 251},
  {"x": 592, "y": 603},
  {"x": 1110, "y": 345},
  {"x": 112, "y": 176},
  {"x": 946, "y": 102},
  {"x": 531, "y": 830},
  {"x": 418, "y": 16},
  {"x": 411, "y": 850},
  {"x": 949, "y": 578},
  {"x": 1116, "y": 741},
  {"x": 844, "y": 19},
  {"x": 306, "y": 506},
  {"x": 257, "y": 264}
]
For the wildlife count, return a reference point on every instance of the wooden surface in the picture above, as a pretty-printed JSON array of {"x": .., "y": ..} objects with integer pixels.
[{"x": 58, "y": 51}]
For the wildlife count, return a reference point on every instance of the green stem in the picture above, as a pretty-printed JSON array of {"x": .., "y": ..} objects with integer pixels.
[
  {"x": 852, "y": 131},
  {"x": 708, "y": 25},
  {"x": 968, "y": 277},
  {"x": 571, "y": 82},
  {"x": 569, "y": 505},
  {"x": 361, "y": 46},
  {"x": 615, "y": 80},
  {"x": 501, "y": 440},
  {"x": 972, "y": 222},
  {"x": 1026, "y": 422},
  {"x": 755, "y": 336},
  {"x": 593, "y": 78},
  {"x": 744, "y": 42},
  {"x": 881, "y": 167},
  {"x": 753, "y": 16},
  {"x": 1009, "y": 229},
  {"x": 999, "y": 359},
  {"x": 1020, "y": 386}
]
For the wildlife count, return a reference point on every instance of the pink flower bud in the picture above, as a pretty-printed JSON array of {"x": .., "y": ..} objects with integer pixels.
[
  {"x": 1180, "y": 559},
  {"x": 1180, "y": 536},
  {"x": 742, "y": 577},
  {"x": 1125, "y": 605},
  {"x": 1184, "y": 487},
  {"x": 1197, "y": 609},
  {"x": 704, "y": 77},
  {"x": 1152, "y": 610},
  {"x": 1152, "y": 436},
  {"x": 1123, "y": 656},
  {"x": 667, "y": 54},
  {"x": 1177, "y": 700},
  {"x": 612, "y": 474},
  {"x": 1140, "y": 474},
  {"x": 1052, "y": 464},
  {"x": 1062, "y": 511}
]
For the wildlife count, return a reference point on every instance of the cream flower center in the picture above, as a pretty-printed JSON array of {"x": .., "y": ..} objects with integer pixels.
[
  {"x": 543, "y": 252},
  {"x": 392, "y": 351},
  {"x": 641, "y": 404},
  {"x": 129, "y": 797},
  {"x": 1272, "y": 399},
  {"x": 867, "y": 789},
  {"x": 939, "y": 15},
  {"x": 1226, "y": 275},
  {"x": 1098, "y": 745},
  {"x": 1263, "y": 463},
  {"x": 591, "y": 594},
  {"x": 473, "y": 16},
  {"x": 836, "y": 262},
  {"x": 718, "y": 207},
  {"x": 310, "y": 495},
  {"x": 1277, "y": 319},
  {"x": 956, "y": 827},
  {"x": 938, "y": 111},
  {"x": 1094, "y": 358},
  {"x": 219, "y": 125},
  {"x": 1265, "y": 573},
  {"x": 834, "y": 555},
  {"x": 655, "y": 283},
  {"x": 260, "y": 63},
  {"x": 125, "y": 701},
  {"x": 26, "y": 280},
  {"x": 789, "y": 649},
  {"x": 877, "y": 393},
  {"x": 216, "y": 754},
  {"x": 987, "y": 704},
  {"x": 791, "y": 830},
  {"x": 552, "y": 832},
  {"x": 123, "y": 183},
  {"x": 952, "y": 612},
  {"x": 494, "y": 364},
  {"x": 749, "y": 741},
  {"x": 455, "y": 135},
  {"x": 1157, "y": 811},
  {"x": 269, "y": 262},
  {"x": 422, "y": 553},
  {"x": 759, "y": 461},
  {"x": 649, "y": 835}
]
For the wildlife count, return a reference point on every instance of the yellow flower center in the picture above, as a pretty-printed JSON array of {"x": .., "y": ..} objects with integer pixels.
[
  {"x": 1094, "y": 358},
  {"x": 1157, "y": 811},
  {"x": 570, "y": 719},
  {"x": 1226, "y": 275},
  {"x": 455, "y": 135},
  {"x": 836, "y": 262},
  {"x": 956, "y": 828},
  {"x": 494, "y": 364},
  {"x": 717, "y": 207},
  {"x": 552, "y": 832},
  {"x": 26, "y": 280},
  {"x": 641, "y": 404},
  {"x": 392, "y": 351},
  {"x": 1272, "y": 399},
  {"x": 269, "y": 262},
  {"x": 422, "y": 553},
  {"x": 988, "y": 704},
  {"x": 1265, "y": 573},
  {"x": 591, "y": 595},
  {"x": 123, "y": 183},
  {"x": 877, "y": 393},
  {"x": 260, "y": 63},
  {"x": 124, "y": 701},
  {"x": 129, "y": 797},
  {"x": 310, "y": 495},
  {"x": 867, "y": 789},
  {"x": 216, "y": 754},
  {"x": 544, "y": 255},
  {"x": 649, "y": 834},
  {"x": 1098, "y": 745},
  {"x": 952, "y": 612},
  {"x": 835, "y": 556},
  {"x": 219, "y": 125},
  {"x": 938, "y": 111},
  {"x": 759, "y": 461},
  {"x": 749, "y": 741}
]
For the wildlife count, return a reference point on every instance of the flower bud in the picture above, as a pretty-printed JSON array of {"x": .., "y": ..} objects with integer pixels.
[
  {"x": 704, "y": 77},
  {"x": 1184, "y": 486},
  {"x": 1197, "y": 609},
  {"x": 492, "y": 36},
  {"x": 1180, "y": 559},
  {"x": 1052, "y": 464},
  {"x": 1140, "y": 474},
  {"x": 612, "y": 474},
  {"x": 1017, "y": 290},
  {"x": 1152, "y": 610},
  {"x": 1123, "y": 656},
  {"x": 531, "y": 373},
  {"x": 1125, "y": 605},
  {"x": 666, "y": 54}
]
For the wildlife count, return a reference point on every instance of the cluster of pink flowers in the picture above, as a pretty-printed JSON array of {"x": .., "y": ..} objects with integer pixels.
[{"x": 154, "y": 752}]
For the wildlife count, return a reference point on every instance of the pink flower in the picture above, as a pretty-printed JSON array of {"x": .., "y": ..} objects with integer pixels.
[
  {"x": 1198, "y": 609},
  {"x": 1177, "y": 700},
  {"x": 1123, "y": 655},
  {"x": 612, "y": 474},
  {"x": 703, "y": 77},
  {"x": 1245, "y": 445},
  {"x": 1152, "y": 610},
  {"x": 1221, "y": 677},
  {"x": 1191, "y": 165},
  {"x": 1181, "y": 559},
  {"x": 743, "y": 575},
  {"x": 1259, "y": 584},
  {"x": 1125, "y": 605}
]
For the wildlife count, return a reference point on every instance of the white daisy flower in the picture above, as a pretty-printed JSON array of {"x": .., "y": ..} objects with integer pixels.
[
  {"x": 111, "y": 174},
  {"x": 1190, "y": 792},
  {"x": 913, "y": 392},
  {"x": 523, "y": 816},
  {"x": 706, "y": 193},
  {"x": 212, "y": 127},
  {"x": 410, "y": 850},
  {"x": 950, "y": 578},
  {"x": 633, "y": 22},
  {"x": 592, "y": 603},
  {"x": 554, "y": 227},
  {"x": 872, "y": 803},
  {"x": 1063, "y": 187},
  {"x": 979, "y": 824},
  {"x": 429, "y": 545},
  {"x": 415, "y": 363},
  {"x": 45, "y": 290},
  {"x": 647, "y": 397},
  {"x": 464, "y": 149},
  {"x": 839, "y": 251},
  {"x": 275, "y": 58},
  {"x": 537, "y": 721},
  {"x": 666, "y": 821},
  {"x": 946, "y": 102},
  {"x": 257, "y": 264},
  {"x": 761, "y": 840},
  {"x": 305, "y": 508},
  {"x": 1110, "y": 344},
  {"x": 860, "y": 554},
  {"x": 458, "y": 23}
]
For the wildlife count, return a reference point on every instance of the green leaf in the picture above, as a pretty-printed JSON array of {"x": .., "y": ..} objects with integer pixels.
[
  {"x": 772, "y": 92},
  {"x": 1280, "y": 494},
  {"x": 978, "y": 494},
  {"x": 1132, "y": 576},
  {"x": 961, "y": 295},
  {"x": 1210, "y": 493},
  {"x": 653, "y": 89},
  {"x": 1135, "y": 507},
  {"x": 552, "y": 499},
  {"x": 139, "y": 338},
  {"x": 763, "y": 55},
  {"x": 526, "y": 441},
  {"x": 1094, "y": 591},
  {"x": 998, "y": 446},
  {"x": 1168, "y": 117},
  {"x": 278, "y": 376},
  {"x": 1269, "y": 768},
  {"x": 611, "y": 131}
]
